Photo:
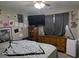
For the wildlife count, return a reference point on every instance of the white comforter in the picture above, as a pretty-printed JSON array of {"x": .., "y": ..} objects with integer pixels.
[{"x": 23, "y": 47}]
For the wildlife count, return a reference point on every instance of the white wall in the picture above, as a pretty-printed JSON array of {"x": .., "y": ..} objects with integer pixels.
[
  {"x": 13, "y": 13},
  {"x": 26, "y": 25},
  {"x": 75, "y": 30},
  {"x": 22, "y": 33},
  {"x": 78, "y": 27}
]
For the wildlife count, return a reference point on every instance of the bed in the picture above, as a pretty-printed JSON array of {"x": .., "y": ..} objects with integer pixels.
[{"x": 50, "y": 51}]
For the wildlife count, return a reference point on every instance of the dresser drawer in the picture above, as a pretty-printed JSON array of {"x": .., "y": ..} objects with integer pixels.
[
  {"x": 47, "y": 40},
  {"x": 41, "y": 39},
  {"x": 53, "y": 42},
  {"x": 61, "y": 48},
  {"x": 59, "y": 42}
]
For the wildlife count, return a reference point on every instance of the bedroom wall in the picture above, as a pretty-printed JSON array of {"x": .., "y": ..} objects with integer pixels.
[
  {"x": 78, "y": 27},
  {"x": 23, "y": 32},
  {"x": 78, "y": 36},
  {"x": 74, "y": 23},
  {"x": 74, "y": 28},
  {"x": 13, "y": 13},
  {"x": 26, "y": 25},
  {"x": 74, "y": 17}
]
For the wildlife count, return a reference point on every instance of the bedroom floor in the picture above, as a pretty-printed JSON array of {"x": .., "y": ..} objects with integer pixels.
[
  {"x": 63, "y": 55},
  {"x": 60, "y": 55}
]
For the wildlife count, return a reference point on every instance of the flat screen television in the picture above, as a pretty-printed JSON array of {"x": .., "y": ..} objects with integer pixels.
[{"x": 36, "y": 20}]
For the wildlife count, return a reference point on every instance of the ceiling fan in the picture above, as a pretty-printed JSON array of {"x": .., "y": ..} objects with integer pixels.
[
  {"x": 47, "y": 4},
  {"x": 40, "y": 4}
]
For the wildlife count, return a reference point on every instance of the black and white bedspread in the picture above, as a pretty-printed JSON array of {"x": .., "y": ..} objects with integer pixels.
[{"x": 23, "y": 47}]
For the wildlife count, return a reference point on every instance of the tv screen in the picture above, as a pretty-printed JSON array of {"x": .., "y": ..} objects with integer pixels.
[{"x": 36, "y": 20}]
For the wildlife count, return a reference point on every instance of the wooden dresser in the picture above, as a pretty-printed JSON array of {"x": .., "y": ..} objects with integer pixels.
[
  {"x": 58, "y": 41},
  {"x": 33, "y": 32}
]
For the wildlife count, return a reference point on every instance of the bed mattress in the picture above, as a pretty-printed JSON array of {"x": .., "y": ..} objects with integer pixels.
[{"x": 50, "y": 52}]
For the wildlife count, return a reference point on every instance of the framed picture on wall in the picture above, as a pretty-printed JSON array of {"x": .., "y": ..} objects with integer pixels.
[{"x": 20, "y": 18}]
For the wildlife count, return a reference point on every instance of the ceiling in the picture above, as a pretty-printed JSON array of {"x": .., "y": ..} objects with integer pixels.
[{"x": 28, "y": 8}]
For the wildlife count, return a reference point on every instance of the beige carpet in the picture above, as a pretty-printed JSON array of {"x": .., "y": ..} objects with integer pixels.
[{"x": 63, "y": 55}]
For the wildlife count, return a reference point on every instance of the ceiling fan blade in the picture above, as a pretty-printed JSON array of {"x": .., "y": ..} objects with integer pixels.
[{"x": 47, "y": 4}]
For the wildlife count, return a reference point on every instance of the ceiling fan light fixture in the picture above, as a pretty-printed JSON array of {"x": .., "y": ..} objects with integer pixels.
[
  {"x": 42, "y": 5},
  {"x": 39, "y": 5}
]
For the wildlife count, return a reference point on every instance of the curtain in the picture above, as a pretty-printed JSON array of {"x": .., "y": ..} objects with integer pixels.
[
  {"x": 66, "y": 20},
  {"x": 49, "y": 25},
  {"x": 57, "y": 26}
]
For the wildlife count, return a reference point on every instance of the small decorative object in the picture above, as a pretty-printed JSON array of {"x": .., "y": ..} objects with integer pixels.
[
  {"x": 53, "y": 18},
  {"x": 73, "y": 24},
  {"x": 8, "y": 16},
  {"x": 1, "y": 23},
  {"x": 0, "y": 11},
  {"x": 16, "y": 24},
  {"x": 14, "y": 16},
  {"x": 77, "y": 19},
  {"x": 11, "y": 23},
  {"x": 25, "y": 25},
  {"x": 21, "y": 25},
  {"x": 72, "y": 15},
  {"x": 21, "y": 35},
  {"x": 5, "y": 23},
  {"x": 20, "y": 18},
  {"x": 16, "y": 30},
  {"x": 21, "y": 28},
  {"x": 74, "y": 19}
]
